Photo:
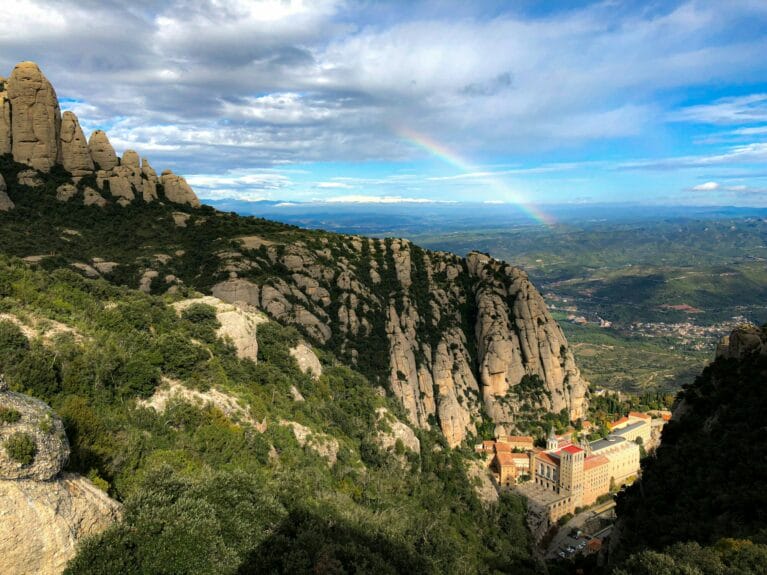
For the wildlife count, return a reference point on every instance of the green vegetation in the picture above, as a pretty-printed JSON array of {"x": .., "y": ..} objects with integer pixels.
[
  {"x": 741, "y": 557},
  {"x": 9, "y": 415},
  {"x": 706, "y": 480},
  {"x": 21, "y": 447},
  {"x": 206, "y": 492}
]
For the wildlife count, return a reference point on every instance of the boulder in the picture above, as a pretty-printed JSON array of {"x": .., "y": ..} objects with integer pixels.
[
  {"x": 29, "y": 178},
  {"x": 75, "y": 155},
  {"x": 307, "y": 360},
  {"x": 6, "y": 204},
  {"x": 35, "y": 117},
  {"x": 177, "y": 190},
  {"x": 149, "y": 181},
  {"x": 92, "y": 198},
  {"x": 102, "y": 152},
  {"x": 36, "y": 423},
  {"x": 65, "y": 192},
  {"x": 41, "y": 522}
]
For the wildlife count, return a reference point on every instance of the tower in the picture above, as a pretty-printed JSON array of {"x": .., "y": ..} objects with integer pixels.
[
  {"x": 552, "y": 443},
  {"x": 571, "y": 473}
]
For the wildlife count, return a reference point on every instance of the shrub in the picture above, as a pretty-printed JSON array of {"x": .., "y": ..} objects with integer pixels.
[
  {"x": 21, "y": 447},
  {"x": 9, "y": 415}
]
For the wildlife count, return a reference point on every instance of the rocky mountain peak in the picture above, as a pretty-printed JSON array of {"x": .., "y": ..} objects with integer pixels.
[{"x": 34, "y": 131}]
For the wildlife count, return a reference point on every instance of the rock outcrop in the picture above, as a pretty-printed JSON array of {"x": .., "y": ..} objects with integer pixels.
[
  {"x": 743, "y": 341},
  {"x": 33, "y": 129},
  {"x": 5, "y": 119},
  {"x": 307, "y": 360},
  {"x": 6, "y": 204},
  {"x": 44, "y": 514},
  {"x": 238, "y": 324},
  {"x": 75, "y": 153},
  {"x": 102, "y": 152},
  {"x": 177, "y": 190},
  {"x": 457, "y": 338},
  {"x": 35, "y": 117}
]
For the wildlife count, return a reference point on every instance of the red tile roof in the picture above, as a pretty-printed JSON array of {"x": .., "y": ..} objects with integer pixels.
[
  {"x": 547, "y": 457},
  {"x": 501, "y": 446},
  {"x": 519, "y": 439},
  {"x": 639, "y": 415},
  {"x": 618, "y": 422},
  {"x": 593, "y": 461},
  {"x": 572, "y": 449}
]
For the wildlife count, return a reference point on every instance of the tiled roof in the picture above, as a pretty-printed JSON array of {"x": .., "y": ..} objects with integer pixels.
[
  {"x": 618, "y": 422},
  {"x": 500, "y": 446},
  {"x": 572, "y": 449},
  {"x": 547, "y": 457},
  {"x": 519, "y": 439},
  {"x": 593, "y": 461},
  {"x": 639, "y": 415}
]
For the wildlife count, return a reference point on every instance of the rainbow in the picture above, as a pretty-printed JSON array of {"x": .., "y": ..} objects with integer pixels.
[{"x": 447, "y": 155}]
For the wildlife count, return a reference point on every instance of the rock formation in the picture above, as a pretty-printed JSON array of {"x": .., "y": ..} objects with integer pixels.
[
  {"x": 744, "y": 340},
  {"x": 238, "y": 324},
  {"x": 307, "y": 360},
  {"x": 6, "y": 204},
  {"x": 44, "y": 514},
  {"x": 33, "y": 129},
  {"x": 456, "y": 337},
  {"x": 35, "y": 118},
  {"x": 5, "y": 119},
  {"x": 102, "y": 152},
  {"x": 75, "y": 154},
  {"x": 177, "y": 190}
]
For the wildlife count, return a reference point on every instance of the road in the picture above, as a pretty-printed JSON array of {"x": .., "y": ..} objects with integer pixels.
[{"x": 562, "y": 539}]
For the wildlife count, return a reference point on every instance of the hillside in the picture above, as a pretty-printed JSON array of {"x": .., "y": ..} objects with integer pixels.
[
  {"x": 230, "y": 458},
  {"x": 451, "y": 338},
  {"x": 706, "y": 482}
]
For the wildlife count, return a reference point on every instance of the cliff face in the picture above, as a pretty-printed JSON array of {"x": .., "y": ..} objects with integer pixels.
[{"x": 454, "y": 337}]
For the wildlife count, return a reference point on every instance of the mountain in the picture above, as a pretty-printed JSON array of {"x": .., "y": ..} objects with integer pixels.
[
  {"x": 465, "y": 344},
  {"x": 705, "y": 486}
]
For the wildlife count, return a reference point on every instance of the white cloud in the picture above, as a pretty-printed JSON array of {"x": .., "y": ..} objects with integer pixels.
[
  {"x": 738, "y": 110},
  {"x": 707, "y": 187},
  {"x": 334, "y": 185}
]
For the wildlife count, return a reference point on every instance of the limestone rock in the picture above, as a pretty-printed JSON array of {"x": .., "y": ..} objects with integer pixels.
[
  {"x": 42, "y": 522},
  {"x": 88, "y": 270},
  {"x": 92, "y": 198},
  {"x": 177, "y": 190},
  {"x": 391, "y": 429},
  {"x": 324, "y": 445},
  {"x": 307, "y": 360},
  {"x": 29, "y": 178},
  {"x": 102, "y": 152},
  {"x": 35, "y": 117},
  {"x": 65, "y": 192},
  {"x": 5, "y": 119},
  {"x": 180, "y": 219},
  {"x": 148, "y": 182},
  {"x": 75, "y": 155},
  {"x": 480, "y": 477},
  {"x": 6, "y": 204},
  {"x": 130, "y": 159},
  {"x": 37, "y": 421},
  {"x": 742, "y": 341},
  {"x": 173, "y": 390},
  {"x": 237, "y": 291},
  {"x": 237, "y": 324},
  {"x": 145, "y": 283}
]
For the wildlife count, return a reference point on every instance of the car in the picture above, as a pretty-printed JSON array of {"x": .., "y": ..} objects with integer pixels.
[
  {"x": 561, "y": 554},
  {"x": 581, "y": 545}
]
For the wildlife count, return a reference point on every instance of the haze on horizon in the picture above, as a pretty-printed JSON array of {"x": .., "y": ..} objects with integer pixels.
[{"x": 535, "y": 102}]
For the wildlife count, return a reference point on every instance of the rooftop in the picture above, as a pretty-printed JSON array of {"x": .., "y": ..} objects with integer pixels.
[
  {"x": 593, "y": 461},
  {"x": 609, "y": 441},
  {"x": 630, "y": 427},
  {"x": 572, "y": 449}
]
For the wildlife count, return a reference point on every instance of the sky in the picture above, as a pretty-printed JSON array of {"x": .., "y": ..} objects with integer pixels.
[{"x": 421, "y": 101}]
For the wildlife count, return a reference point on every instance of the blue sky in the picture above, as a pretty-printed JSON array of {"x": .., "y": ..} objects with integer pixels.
[{"x": 533, "y": 102}]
